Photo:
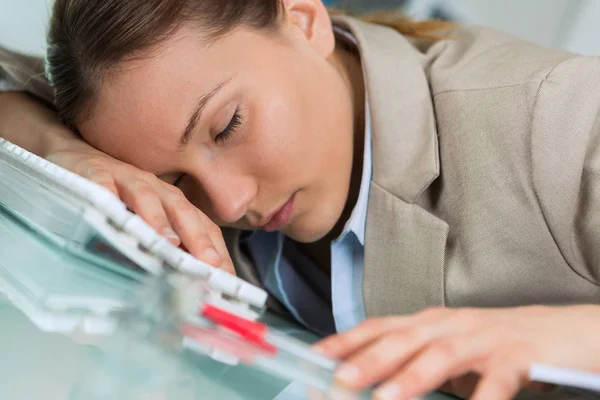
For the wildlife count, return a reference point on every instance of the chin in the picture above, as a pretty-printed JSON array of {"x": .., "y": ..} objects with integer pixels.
[{"x": 303, "y": 233}]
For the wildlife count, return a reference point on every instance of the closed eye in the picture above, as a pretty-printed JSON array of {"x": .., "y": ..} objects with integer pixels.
[
  {"x": 178, "y": 180},
  {"x": 236, "y": 122}
]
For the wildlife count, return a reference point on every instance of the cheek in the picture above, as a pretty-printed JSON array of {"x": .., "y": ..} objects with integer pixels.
[
  {"x": 280, "y": 146},
  {"x": 298, "y": 139},
  {"x": 297, "y": 128}
]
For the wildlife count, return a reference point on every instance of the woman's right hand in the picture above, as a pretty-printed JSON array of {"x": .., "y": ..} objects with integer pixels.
[
  {"x": 161, "y": 205},
  {"x": 28, "y": 123}
]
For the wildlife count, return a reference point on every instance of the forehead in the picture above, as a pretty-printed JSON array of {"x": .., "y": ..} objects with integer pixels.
[{"x": 144, "y": 104}]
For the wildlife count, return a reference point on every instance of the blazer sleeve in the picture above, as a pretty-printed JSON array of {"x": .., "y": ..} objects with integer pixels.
[
  {"x": 565, "y": 156},
  {"x": 23, "y": 72}
]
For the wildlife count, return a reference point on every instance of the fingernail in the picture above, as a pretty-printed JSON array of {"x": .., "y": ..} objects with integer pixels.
[
  {"x": 318, "y": 349},
  {"x": 211, "y": 254},
  {"x": 170, "y": 234},
  {"x": 348, "y": 374},
  {"x": 388, "y": 392}
]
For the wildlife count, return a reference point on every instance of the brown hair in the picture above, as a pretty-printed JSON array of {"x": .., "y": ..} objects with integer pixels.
[{"x": 87, "y": 38}]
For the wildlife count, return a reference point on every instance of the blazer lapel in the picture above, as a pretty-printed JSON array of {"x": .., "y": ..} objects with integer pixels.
[
  {"x": 405, "y": 245},
  {"x": 404, "y": 256}
]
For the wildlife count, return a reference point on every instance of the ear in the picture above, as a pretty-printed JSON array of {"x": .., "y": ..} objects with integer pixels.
[{"x": 312, "y": 19}]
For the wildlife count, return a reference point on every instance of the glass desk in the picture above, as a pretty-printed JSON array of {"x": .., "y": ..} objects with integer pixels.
[
  {"x": 35, "y": 364},
  {"x": 38, "y": 365}
]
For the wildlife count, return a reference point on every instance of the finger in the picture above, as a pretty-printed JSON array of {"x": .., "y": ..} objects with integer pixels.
[
  {"x": 502, "y": 383},
  {"x": 193, "y": 233},
  {"x": 434, "y": 365},
  {"x": 387, "y": 355},
  {"x": 141, "y": 197},
  {"x": 341, "y": 345},
  {"x": 228, "y": 266},
  {"x": 378, "y": 360},
  {"x": 345, "y": 344},
  {"x": 216, "y": 236},
  {"x": 104, "y": 179},
  {"x": 503, "y": 376}
]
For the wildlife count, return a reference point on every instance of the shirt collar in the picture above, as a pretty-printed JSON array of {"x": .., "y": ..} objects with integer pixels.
[{"x": 358, "y": 219}]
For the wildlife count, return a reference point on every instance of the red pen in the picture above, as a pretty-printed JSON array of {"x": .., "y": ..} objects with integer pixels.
[
  {"x": 253, "y": 332},
  {"x": 256, "y": 344}
]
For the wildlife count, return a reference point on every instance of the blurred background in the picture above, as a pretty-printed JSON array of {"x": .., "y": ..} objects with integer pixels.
[{"x": 571, "y": 25}]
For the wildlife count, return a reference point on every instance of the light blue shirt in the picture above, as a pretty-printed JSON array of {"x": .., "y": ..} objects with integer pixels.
[{"x": 323, "y": 305}]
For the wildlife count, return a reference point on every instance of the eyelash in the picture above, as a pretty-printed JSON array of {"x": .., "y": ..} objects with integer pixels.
[
  {"x": 176, "y": 183},
  {"x": 235, "y": 123}
]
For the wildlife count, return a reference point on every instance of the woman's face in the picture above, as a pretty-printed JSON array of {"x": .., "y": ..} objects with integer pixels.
[{"x": 255, "y": 128}]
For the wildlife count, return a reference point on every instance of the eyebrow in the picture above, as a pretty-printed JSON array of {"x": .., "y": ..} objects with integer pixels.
[{"x": 188, "y": 133}]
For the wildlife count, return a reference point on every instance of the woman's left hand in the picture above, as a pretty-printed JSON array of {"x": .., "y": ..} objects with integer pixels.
[{"x": 490, "y": 350}]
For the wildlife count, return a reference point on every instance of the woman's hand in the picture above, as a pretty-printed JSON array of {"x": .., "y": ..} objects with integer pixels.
[
  {"x": 161, "y": 205},
  {"x": 28, "y": 123},
  {"x": 484, "y": 352}
]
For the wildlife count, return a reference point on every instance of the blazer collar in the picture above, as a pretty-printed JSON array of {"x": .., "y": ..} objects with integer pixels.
[
  {"x": 405, "y": 146},
  {"x": 405, "y": 246}
]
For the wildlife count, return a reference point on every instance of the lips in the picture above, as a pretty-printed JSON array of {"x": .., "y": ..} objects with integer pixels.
[{"x": 281, "y": 217}]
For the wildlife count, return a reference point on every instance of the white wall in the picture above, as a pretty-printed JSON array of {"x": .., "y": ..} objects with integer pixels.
[
  {"x": 23, "y": 24},
  {"x": 536, "y": 20},
  {"x": 583, "y": 34},
  {"x": 571, "y": 25}
]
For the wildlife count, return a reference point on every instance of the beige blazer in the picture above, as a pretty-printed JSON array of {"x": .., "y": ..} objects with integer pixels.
[{"x": 486, "y": 172}]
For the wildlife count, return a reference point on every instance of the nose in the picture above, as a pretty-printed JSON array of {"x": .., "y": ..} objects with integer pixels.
[{"x": 229, "y": 196}]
